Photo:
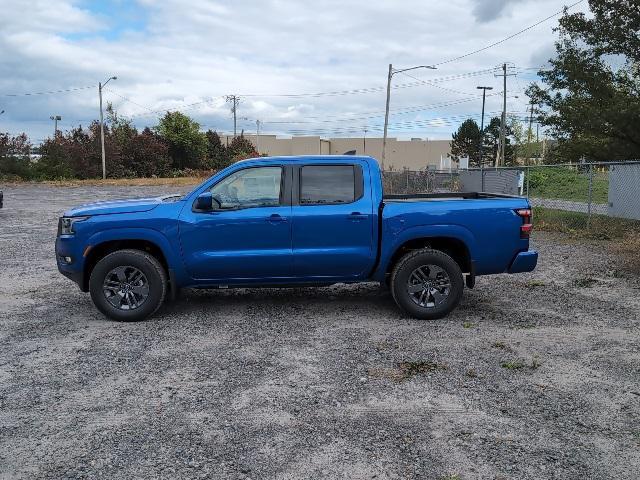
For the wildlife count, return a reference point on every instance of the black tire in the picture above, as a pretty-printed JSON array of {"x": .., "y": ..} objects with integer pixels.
[
  {"x": 421, "y": 258},
  {"x": 156, "y": 279}
]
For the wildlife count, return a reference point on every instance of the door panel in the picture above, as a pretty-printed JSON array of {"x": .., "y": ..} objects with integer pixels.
[
  {"x": 239, "y": 243},
  {"x": 331, "y": 240},
  {"x": 242, "y": 244}
]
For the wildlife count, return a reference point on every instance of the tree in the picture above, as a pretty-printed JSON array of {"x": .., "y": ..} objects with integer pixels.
[
  {"x": 492, "y": 143},
  {"x": 187, "y": 144},
  {"x": 241, "y": 148},
  {"x": 520, "y": 137},
  {"x": 148, "y": 155},
  {"x": 592, "y": 107},
  {"x": 14, "y": 156},
  {"x": 53, "y": 163},
  {"x": 466, "y": 142},
  {"x": 81, "y": 149},
  {"x": 217, "y": 155}
]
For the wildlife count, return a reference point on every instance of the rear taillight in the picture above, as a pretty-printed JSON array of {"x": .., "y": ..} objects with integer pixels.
[{"x": 527, "y": 225}]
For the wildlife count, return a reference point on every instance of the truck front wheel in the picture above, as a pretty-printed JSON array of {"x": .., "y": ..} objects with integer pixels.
[
  {"x": 427, "y": 284},
  {"x": 128, "y": 285}
]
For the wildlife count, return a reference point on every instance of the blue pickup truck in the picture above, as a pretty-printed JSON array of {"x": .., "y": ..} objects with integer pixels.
[{"x": 293, "y": 221}]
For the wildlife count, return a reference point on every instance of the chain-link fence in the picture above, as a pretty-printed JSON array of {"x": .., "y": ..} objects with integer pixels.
[
  {"x": 603, "y": 198},
  {"x": 425, "y": 181}
]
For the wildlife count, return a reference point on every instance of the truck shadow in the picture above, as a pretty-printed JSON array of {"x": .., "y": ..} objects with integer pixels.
[{"x": 341, "y": 299}]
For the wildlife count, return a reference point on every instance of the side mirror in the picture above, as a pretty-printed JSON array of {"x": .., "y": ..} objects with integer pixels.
[{"x": 207, "y": 202}]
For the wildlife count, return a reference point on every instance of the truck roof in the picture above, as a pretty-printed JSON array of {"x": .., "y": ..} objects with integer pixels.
[{"x": 323, "y": 158}]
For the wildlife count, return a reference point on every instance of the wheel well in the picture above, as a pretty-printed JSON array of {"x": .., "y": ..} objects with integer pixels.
[
  {"x": 103, "y": 249},
  {"x": 453, "y": 247}
]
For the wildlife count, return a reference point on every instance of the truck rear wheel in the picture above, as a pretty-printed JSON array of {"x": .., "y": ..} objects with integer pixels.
[
  {"x": 128, "y": 285},
  {"x": 427, "y": 284}
]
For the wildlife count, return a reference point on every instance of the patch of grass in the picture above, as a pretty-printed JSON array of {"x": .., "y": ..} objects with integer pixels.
[
  {"x": 576, "y": 224},
  {"x": 129, "y": 182},
  {"x": 501, "y": 346},
  {"x": 468, "y": 325},
  {"x": 388, "y": 373},
  {"x": 520, "y": 364},
  {"x": 471, "y": 373},
  {"x": 584, "y": 282},
  {"x": 568, "y": 184},
  {"x": 513, "y": 365},
  {"x": 411, "y": 369},
  {"x": 534, "y": 284},
  {"x": 535, "y": 363},
  {"x": 451, "y": 476},
  {"x": 628, "y": 253},
  {"x": 523, "y": 326}
]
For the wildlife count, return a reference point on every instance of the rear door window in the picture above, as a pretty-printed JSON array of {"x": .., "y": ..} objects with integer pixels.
[{"x": 327, "y": 184}]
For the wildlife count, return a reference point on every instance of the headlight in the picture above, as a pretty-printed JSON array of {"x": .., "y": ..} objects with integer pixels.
[{"x": 65, "y": 225}]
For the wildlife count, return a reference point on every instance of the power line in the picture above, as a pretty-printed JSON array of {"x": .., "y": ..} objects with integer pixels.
[
  {"x": 129, "y": 100},
  {"x": 375, "y": 115},
  {"x": 460, "y": 57},
  {"x": 50, "y": 92},
  {"x": 176, "y": 109},
  {"x": 408, "y": 125},
  {"x": 373, "y": 89}
]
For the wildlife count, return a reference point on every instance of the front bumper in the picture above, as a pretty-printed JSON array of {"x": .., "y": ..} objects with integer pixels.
[
  {"x": 524, "y": 262},
  {"x": 73, "y": 270}
]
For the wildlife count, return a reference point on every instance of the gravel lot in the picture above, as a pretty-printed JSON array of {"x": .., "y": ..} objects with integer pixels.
[{"x": 533, "y": 376}]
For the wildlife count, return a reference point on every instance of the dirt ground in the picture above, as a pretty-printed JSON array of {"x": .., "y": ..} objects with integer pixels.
[{"x": 534, "y": 376}]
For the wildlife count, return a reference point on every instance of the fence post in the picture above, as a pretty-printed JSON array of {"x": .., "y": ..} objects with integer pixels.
[
  {"x": 481, "y": 176},
  {"x": 528, "y": 173},
  {"x": 407, "y": 181},
  {"x": 590, "y": 196}
]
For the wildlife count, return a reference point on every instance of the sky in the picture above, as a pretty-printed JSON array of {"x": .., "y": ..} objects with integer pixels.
[{"x": 301, "y": 68}]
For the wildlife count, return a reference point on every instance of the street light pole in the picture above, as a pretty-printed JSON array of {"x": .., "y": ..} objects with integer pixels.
[
  {"x": 55, "y": 119},
  {"x": 392, "y": 72},
  {"x": 104, "y": 164},
  {"x": 364, "y": 142}
]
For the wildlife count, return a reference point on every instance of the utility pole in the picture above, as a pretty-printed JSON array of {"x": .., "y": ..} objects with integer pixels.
[
  {"x": 234, "y": 100},
  {"x": 484, "y": 95},
  {"x": 55, "y": 119},
  {"x": 104, "y": 163},
  {"x": 258, "y": 136},
  {"x": 392, "y": 72},
  {"x": 386, "y": 118},
  {"x": 530, "y": 133},
  {"x": 503, "y": 121}
]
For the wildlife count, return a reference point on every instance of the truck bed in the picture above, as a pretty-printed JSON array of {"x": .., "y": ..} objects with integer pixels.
[{"x": 487, "y": 223}]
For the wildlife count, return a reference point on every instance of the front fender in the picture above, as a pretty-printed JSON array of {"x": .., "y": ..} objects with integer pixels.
[
  {"x": 393, "y": 240},
  {"x": 172, "y": 257}
]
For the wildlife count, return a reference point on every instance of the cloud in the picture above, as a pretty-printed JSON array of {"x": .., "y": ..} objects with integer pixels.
[
  {"x": 489, "y": 10},
  {"x": 167, "y": 56}
]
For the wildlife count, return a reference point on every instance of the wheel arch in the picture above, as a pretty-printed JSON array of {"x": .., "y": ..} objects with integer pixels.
[
  {"x": 101, "y": 250},
  {"x": 452, "y": 246}
]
